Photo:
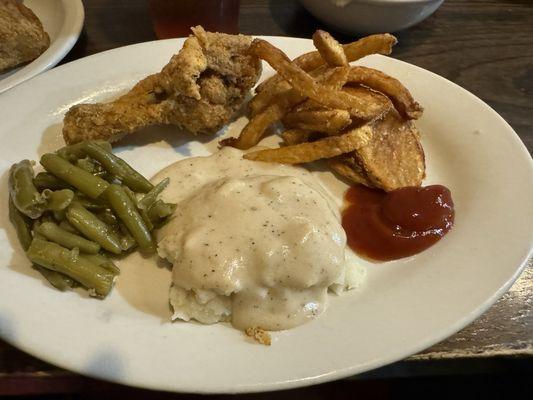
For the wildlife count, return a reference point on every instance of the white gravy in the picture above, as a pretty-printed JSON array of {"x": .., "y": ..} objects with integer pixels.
[{"x": 266, "y": 238}]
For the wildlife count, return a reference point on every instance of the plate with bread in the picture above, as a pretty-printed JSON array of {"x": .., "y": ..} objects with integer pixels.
[{"x": 35, "y": 35}]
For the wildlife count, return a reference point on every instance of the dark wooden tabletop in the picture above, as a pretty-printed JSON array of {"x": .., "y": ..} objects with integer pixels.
[{"x": 486, "y": 46}]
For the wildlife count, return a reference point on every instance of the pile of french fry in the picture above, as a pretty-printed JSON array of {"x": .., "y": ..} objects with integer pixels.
[{"x": 328, "y": 108}]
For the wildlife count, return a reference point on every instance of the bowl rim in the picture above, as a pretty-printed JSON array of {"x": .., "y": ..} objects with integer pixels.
[{"x": 352, "y": 2}]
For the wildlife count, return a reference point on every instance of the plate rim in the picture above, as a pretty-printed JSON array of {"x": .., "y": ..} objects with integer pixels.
[{"x": 348, "y": 371}]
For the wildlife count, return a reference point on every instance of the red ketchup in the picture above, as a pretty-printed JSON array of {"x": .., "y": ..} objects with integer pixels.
[{"x": 387, "y": 226}]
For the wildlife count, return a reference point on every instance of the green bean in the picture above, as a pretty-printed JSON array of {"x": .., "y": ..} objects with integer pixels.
[
  {"x": 131, "y": 194},
  {"x": 58, "y": 200},
  {"x": 57, "y": 258},
  {"x": 82, "y": 180},
  {"x": 150, "y": 197},
  {"x": 160, "y": 210},
  {"x": 146, "y": 220},
  {"x": 118, "y": 167},
  {"x": 76, "y": 151},
  {"x": 90, "y": 204},
  {"x": 45, "y": 218},
  {"x": 56, "y": 279},
  {"x": 45, "y": 180},
  {"x": 23, "y": 192},
  {"x": 92, "y": 228},
  {"x": 89, "y": 165},
  {"x": 66, "y": 239},
  {"x": 59, "y": 215},
  {"x": 143, "y": 213},
  {"x": 65, "y": 225},
  {"x": 127, "y": 242},
  {"x": 22, "y": 225},
  {"x": 103, "y": 261},
  {"x": 128, "y": 214},
  {"x": 109, "y": 218}
]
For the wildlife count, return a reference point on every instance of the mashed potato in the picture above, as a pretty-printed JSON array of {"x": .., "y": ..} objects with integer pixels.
[{"x": 253, "y": 243}]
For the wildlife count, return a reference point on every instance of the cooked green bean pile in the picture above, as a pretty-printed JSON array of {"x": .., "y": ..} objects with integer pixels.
[{"x": 87, "y": 206}]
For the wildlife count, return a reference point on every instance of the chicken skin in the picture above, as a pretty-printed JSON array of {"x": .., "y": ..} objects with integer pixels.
[{"x": 198, "y": 91}]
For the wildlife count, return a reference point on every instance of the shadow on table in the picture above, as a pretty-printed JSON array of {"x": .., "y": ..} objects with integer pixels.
[
  {"x": 476, "y": 386},
  {"x": 296, "y": 21}
]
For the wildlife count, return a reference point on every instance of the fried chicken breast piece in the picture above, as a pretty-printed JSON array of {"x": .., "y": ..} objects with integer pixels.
[
  {"x": 22, "y": 37},
  {"x": 198, "y": 90}
]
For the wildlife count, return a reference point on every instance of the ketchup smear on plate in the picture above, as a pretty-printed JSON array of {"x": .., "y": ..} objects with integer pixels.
[{"x": 387, "y": 226}]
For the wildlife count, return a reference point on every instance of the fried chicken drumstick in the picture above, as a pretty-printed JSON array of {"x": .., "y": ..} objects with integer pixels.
[{"x": 198, "y": 91}]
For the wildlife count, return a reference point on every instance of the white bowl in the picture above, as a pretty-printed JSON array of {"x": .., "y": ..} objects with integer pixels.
[{"x": 371, "y": 16}]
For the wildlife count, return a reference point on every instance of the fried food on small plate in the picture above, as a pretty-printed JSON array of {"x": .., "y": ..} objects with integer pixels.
[
  {"x": 22, "y": 37},
  {"x": 198, "y": 91}
]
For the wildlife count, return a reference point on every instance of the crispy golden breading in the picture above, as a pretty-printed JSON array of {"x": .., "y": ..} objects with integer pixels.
[
  {"x": 22, "y": 37},
  {"x": 198, "y": 90},
  {"x": 259, "y": 335}
]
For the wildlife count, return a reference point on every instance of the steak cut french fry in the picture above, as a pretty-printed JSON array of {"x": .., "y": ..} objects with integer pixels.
[
  {"x": 327, "y": 121},
  {"x": 330, "y": 50},
  {"x": 389, "y": 86},
  {"x": 254, "y": 131},
  {"x": 307, "y": 86},
  {"x": 263, "y": 100},
  {"x": 373, "y": 44},
  {"x": 346, "y": 166},
  {"x": 394, "y": 156},
  {"x": 311, "y": 151},
  {"x": 295, "y": 136},
  {"x": 329, "y": 98},
  {"x": 366, "y": 95},
  {"x": 334, "y": 78}
]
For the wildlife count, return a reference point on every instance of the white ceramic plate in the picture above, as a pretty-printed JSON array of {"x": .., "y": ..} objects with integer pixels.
[
  {"x": 63, "y": 20},
  {"x": 404, "y": 307}
]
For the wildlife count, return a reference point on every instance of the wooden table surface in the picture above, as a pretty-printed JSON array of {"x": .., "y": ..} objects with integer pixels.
[{"x": 486, "y": 46}]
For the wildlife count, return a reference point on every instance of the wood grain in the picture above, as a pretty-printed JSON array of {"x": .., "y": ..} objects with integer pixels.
[{"x": 486, "y": 46}]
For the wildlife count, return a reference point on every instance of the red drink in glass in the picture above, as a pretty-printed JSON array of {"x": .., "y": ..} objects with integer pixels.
[{"x": 174, "y": 18}]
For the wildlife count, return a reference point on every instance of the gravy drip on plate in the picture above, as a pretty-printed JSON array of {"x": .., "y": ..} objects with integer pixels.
[{"x": 387, "y": 226}]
